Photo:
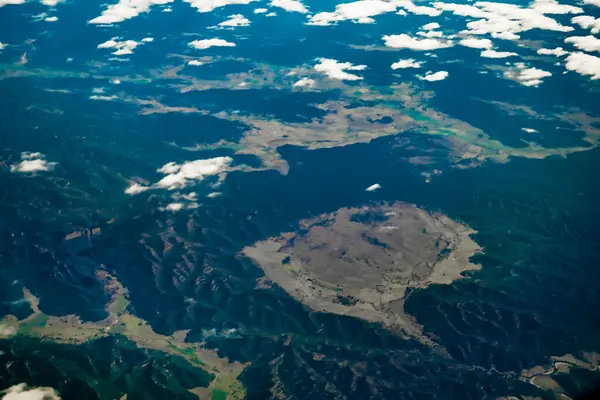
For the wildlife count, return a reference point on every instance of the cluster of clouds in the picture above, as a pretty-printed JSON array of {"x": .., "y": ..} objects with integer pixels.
[
  {"x": 49, "y": 3},
  {"x": 404, "y": 41},
  {"x": 21, "y": 392},
  {"x": 407, "y": 63},
  {"x": 205, "y": 6},
  {"x": 123, "y": 47},
  {"x": 204, "y": 44},
  {"x": 234, "y": 21},
  {"x": 124, "y": 10},
  {"x": 526, "y": 76},
  {"x": 32, "y": 162},
  {"x": 338, "y": 70},
  {"x": 179, "y": 176}
]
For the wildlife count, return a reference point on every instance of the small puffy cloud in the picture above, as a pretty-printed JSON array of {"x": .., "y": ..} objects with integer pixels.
[
  {"x": 337, "y": 70},
  {"x": 51, "y": 19},
  {"x": 554, "y": 7},
  {"x": 434, "y": 77},
  {"x": 431, "y": 34},
  {"x": 305, "y": 82},
  {"x": 374, "y": 187},
  {"x": 2, "y": 46},
  {"x": 419, "y": 10},
  {"x": 529, "y": 130},
  {"x": 526, "y": 76},
  {"x": 463, "y": 10},
  {"x": 497, "y": 54},
  {"x": 290, "y": 5},
  {"x": 125, "y": 9},
  {"x": 208, "y": 43},
  {"x": 205, "y": 6},
  {"x": 592, "y": 2},
  {"x": 587, "y": 22},
  {"x": 148, "y": 40},
  {"x": 360, "y": 11},
  {"x": 558, "y": 52},
  {"x": 476, "y": 43},
  {"x": 430, "y": 26},
  {"x": 234, "y": 21},
  {"x": 584, "y": 64},
  {"x": 20, "y": 392},
  {"x": 181, "y": 175},
  {"x": 195, "y": 63},
  {"x": 408, "y": 63},
  {"x": 260, "y": 10},
  {"x": 505, "y": 35},
  {"x": 51, "y": 3},
  {"x": 103, "y": 98},
  {"x": 32, "y": 162},
  {"x": 136, "y": 188},
  {"x": 124, "y": 47},
  {"x": 271, "y": 14},
  {"x": 587, "y": 43},
  {"x": 404, "y": 41},
  {"x": 12, "y": 2},
  {"x": 213, "y": 195}
]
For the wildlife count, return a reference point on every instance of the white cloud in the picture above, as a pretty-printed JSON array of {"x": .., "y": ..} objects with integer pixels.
[
  {"x": 497, "y": 54},
  {"x": 587, "y": 22},
  {"x": 136, "y": 188},
  {"x": 404, "y": 41},
  {"x": 505, "y": 35},
  {"x": 419, "y": 10},
  {"x": 584, "y": 64},
  {"x": 2, "y": 46},
  {"x": 125, "y": 9},
  {"x": 408, "y": 63},
  {"x": 51, "y": 19},
  {"x": 213, "y": 195},
  {"x": 180, "y": 175},
  {"x": 463, "y": 10},
  {"x": 359, "y": 11},
  {"x": 175, "y": 207},
  {"x": 526, "y": 76},
  {"x": 260, "y": 10},
  {"x": 103, "y": 98},
  {"x": 121, "y": 47},
  {"x": 271, "y": 14},
  {"x": 235, "y": 20},
  {"x": 558, "y": 52},
  {"x": 587, "y": 43},
  {"x": 431, "y": 34},
  {"x": 32, "y": 162},
  {"x": 430, "y": 26},
  {"x": 592, "y": 2},
  {"x": 554, "y": 7},
  {"x": 51, "y": 3},
  {"x": 195, "y": 63},
  {"x": 337, "y": 70},
  {"x": 208, "y": 43},
  {"x": 477, "y": 43},
  {"x": 529, "y": 130},
  {"x": 148, "y": 40},
  {"x": 205, "y": 6},
  {"x": 12, "y": 2},
  {"x": 20, "y": 392},
  {"x": 434, "y": 77},
  {"x": 290, "y": 5},
  {"x": 373, "y": 187},
  {"x": 305, "y": 82}
]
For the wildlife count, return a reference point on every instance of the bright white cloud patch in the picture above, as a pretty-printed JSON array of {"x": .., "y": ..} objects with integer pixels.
[
  {"x": 260, "y": 10},
  {"x": 305, "y": 82},
  {"x": 526, "y": 76},
  {"x": 337, "y": 70},
  {"x": 476, "y": 43},
  {"x": 51, "y": 19},
  {"x": 20, "y": 392},
  {"x": 195, "y": 63},
  {"x": 408, "y": 63},
  {"x": 122, "y": 48},
  {"x": 430, "y": 26},
  {"x": 497, "y": 54},
  {"x": 554, "y": 7},
  {"x": 126, "y": 9},
  {"x": 205, "y": 6},
  {"x": 587, "y": 43},
  {"x": 208, "y": 43},
  {"x": 358, "y": 11},
  {"x": 529, "y": 130},
  {"x": 584, "y": 64},
  {"x": 178, "y": 176},
  {"x": 374, "y": 187},
  {"x": 558, "y": 52},
  {"x": 234, "y": 21},
  {"x": 290, "y": 5},
  {"x": 419, "y": 10},
  {"x": 404, "y": 41},
  {"x": 587, "y": 22},
  {"x": 32, "y": 162},
  {"x": 434, "y": 77}
]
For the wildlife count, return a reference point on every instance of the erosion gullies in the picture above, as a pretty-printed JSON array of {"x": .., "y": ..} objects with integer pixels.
[{"x": 361, "y": 262}]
